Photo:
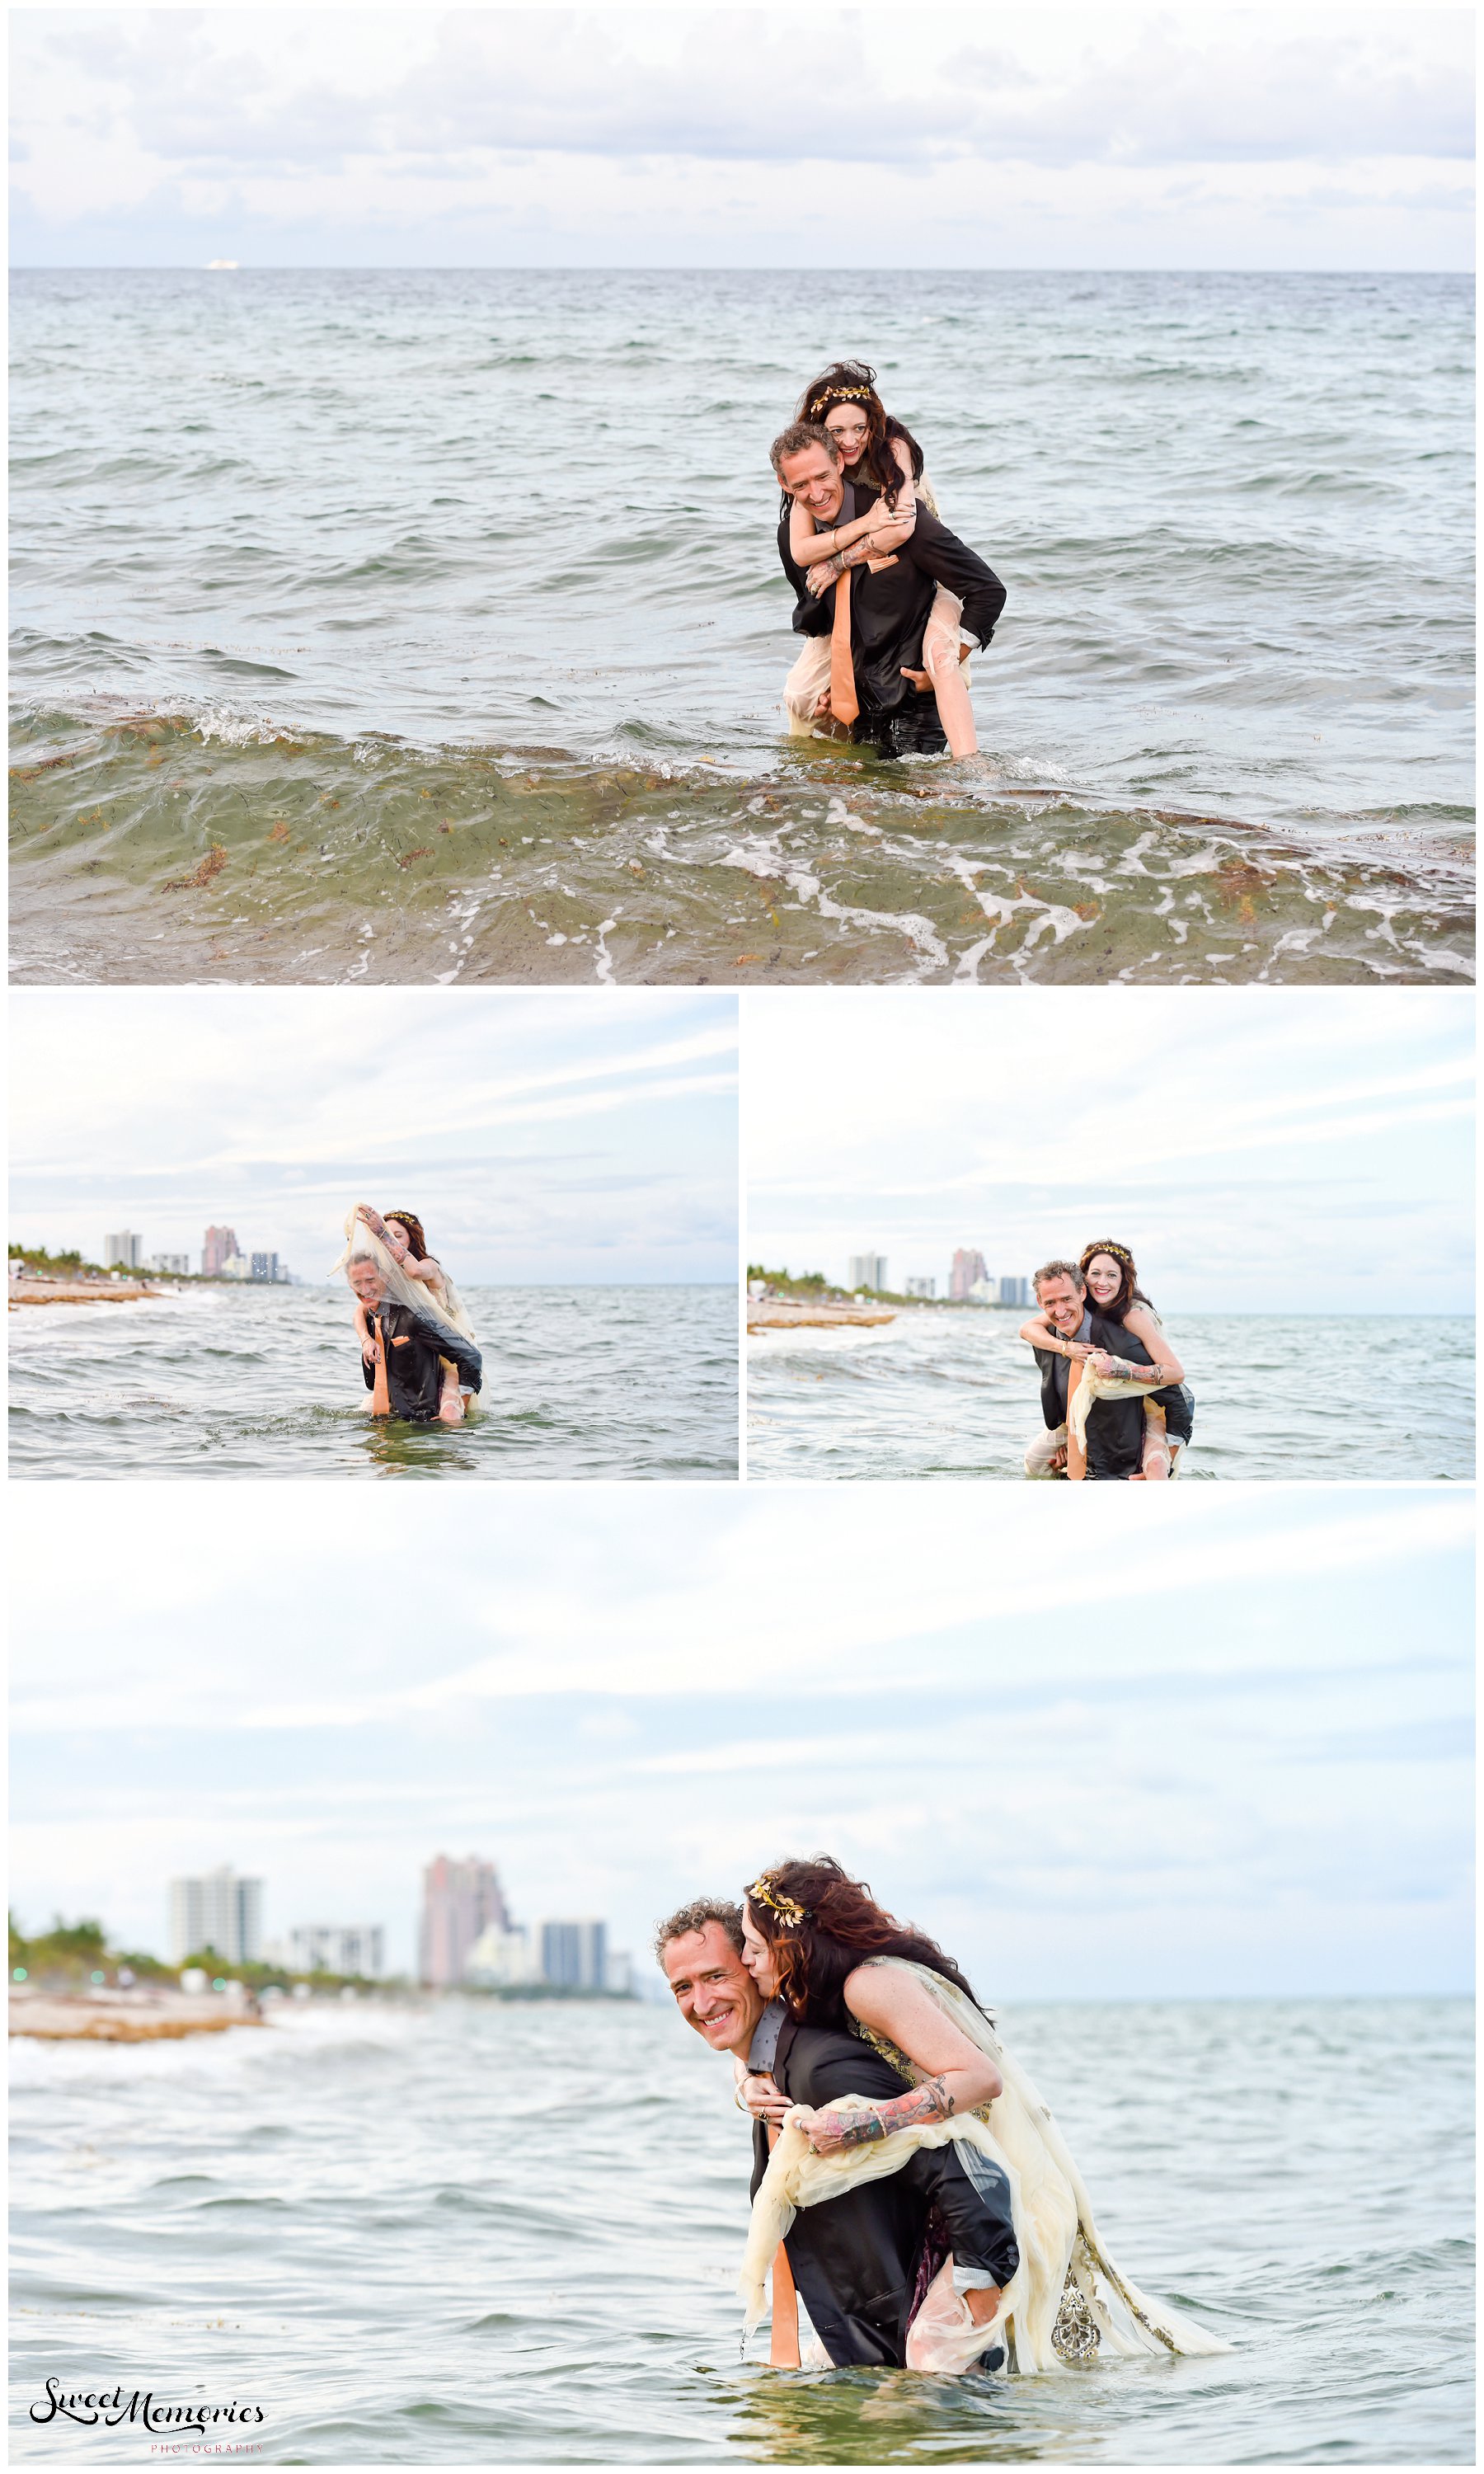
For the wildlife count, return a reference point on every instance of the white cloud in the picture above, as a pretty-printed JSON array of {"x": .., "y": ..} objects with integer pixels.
[
  {"x": 1252, "y": 1156},
  {"x": 618, "y": 131},
  {"x": 1146, "y": 1760},
  {"x": 541, "y": 1135},
  {"x": 754, "y": 1576}
]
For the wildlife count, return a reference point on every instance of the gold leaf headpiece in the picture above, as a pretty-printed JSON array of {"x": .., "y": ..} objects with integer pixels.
[
  {"x": 841, "y": 395},
  {"x": 762, "y": 1894},
  {"x": 1106, "y": 1246}
]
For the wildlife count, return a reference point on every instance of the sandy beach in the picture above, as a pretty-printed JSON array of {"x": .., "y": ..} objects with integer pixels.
[
  {"x": 136, "y": 2018},
  {"x": 83, "y": 1293},
  {"x": 783, "y": 1314}
]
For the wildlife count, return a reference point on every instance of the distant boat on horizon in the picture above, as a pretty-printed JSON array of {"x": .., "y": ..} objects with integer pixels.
[{"x": 221, "y": 266}]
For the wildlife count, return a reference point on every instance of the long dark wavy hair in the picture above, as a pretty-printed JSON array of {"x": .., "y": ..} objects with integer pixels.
[
  {"x": 1130, "y": 1293},
  {"x": 409, "y": 1221},
  {"x": 841, "y": 1926},
  {"x": 855, "y": 383}
]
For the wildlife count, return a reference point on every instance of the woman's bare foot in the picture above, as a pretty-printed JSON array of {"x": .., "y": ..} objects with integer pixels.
[{"x": 450, "y": 1406}]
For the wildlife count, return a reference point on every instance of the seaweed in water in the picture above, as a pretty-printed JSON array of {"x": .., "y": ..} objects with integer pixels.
[{"x": 212, "y": 865}]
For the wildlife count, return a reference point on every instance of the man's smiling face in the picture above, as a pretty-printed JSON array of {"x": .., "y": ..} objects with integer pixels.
[
  {"x": 814, "y": 479},
  {"x": 367, "y": 1281},
  {"x": 713, "y": 1989},
  {"x": 1063, "y": 1303}
]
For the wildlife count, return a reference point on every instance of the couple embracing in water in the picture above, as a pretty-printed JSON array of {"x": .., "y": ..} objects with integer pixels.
[
  {"x": 890, "y": 601},
  {"x": 418, "y": 1355},
  {"x": 1114, "y": 1396},
  {"x": 929, "y": 2212}
]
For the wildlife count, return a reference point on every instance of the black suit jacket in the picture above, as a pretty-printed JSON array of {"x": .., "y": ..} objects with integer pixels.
[
  {"x": 1116, "y": 1428},
  {"x": 889, "y": 612},
  {"x": 414, "y": 1381},
  {"x": 855, "y": 2259}
]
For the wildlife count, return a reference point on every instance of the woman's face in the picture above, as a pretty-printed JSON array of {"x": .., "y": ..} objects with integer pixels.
[
  {"x": 849, "y": 428},
  {"x": 757, "y": 1957},
  {"x": 398, "y": 1241},
  {"x": 1105, "y": 1279}
]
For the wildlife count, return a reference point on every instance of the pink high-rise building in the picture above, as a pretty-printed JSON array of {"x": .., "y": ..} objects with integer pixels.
[
  {"x": 967, "y": 1267},
  {"x": 460, "y": 1901},
  {"x": 220, "y": 1245}
]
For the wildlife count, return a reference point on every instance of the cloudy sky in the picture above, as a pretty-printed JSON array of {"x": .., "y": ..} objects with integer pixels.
[
  {"x": 540, "y": 1139},
  {"x": 1284, "y": 1152},
  {"x": 1228, "y": 1757},
  {"x": 1329, "y": 137}
]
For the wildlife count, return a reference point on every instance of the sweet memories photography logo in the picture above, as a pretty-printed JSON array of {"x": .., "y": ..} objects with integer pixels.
[{"x": 109, "y": 2408}]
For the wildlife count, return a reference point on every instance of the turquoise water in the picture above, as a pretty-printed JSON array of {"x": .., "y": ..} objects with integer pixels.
[
  {"x": 255, "y": 1382},
  {"x": 1278, "y": 1396},
  {"x": 484, "y": 2235},
  {"x": 446, "y": 604}
]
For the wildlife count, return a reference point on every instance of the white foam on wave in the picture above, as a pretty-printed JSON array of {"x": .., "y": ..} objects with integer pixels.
[
  {"x": 233, "y": 728},
  {"x": 830, "y": 1338},
  {"x": 292, "y": 2030}
]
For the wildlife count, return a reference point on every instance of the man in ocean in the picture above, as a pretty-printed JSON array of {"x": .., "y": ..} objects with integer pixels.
[
  {"x": 403, "y": 1371},
  {"x": 879, "y": 634},
  {"x": 855, "y": 2259},
  {"x": 1116, "y": 1428}
]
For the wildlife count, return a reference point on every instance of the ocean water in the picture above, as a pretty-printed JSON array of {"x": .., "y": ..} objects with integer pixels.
[
  {"x": 957, "y": 1394},
  {"x": 482, "y": 2235},
  {"x": 420, "y": 626},
  {"x": 255, "y": 1382}
]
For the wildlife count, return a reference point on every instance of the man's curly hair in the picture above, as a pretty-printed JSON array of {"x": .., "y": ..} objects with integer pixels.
[{"x": 695, "y": 1917}]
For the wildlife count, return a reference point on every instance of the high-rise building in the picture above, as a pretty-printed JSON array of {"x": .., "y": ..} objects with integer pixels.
[
  {"x": 176, "y": 1265},
  {"x": 574, "y": 1952},
  {"x": 265, "y": 1267},
  {"x": 124, "y": 1247},
  {"x": 222, "y": 1911},
  {"x": 967, "y": 1267},
  {"x": 868, "y": 1270},
  {"x": 459, "y": 1901},
  {"x": 500, "y": 1960},
  {"x": 1016, "y": 1291},
  {"x": 218, "y": 1245},
  {"x": 237, "y": 1266},
  {"x": 337, "y": 1949},
  {"x": 917, "y": 1285}
]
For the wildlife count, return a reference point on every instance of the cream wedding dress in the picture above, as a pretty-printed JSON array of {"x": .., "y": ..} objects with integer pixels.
[{"x": 1066, "y": 2301}]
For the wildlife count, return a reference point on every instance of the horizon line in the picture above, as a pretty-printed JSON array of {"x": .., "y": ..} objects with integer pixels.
[{"x": 611, "y": 266}]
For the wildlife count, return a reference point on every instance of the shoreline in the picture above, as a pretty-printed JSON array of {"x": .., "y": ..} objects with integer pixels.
[
  {"x": 82, "y": 1293},
  {"x": 86, "y": 2017},
  {"x": 782, "y": 1314}
]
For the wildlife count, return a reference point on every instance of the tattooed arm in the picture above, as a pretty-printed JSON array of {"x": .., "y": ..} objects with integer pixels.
[
  {"x": 1148, "y": 1330},
  {"x": 831, "y": 2132},
  {"x": 955, "y": 2076}
]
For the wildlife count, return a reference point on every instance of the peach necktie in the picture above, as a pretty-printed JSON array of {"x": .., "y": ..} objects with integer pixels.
[
  {"x": 382, "y": 1400},
  {"x": 843, "y": 702}
]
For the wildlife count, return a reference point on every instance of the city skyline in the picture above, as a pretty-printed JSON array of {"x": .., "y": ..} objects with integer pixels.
[
  {"x": 221, "y": 1257},
  {"x": 615, "y": 137},
  {"x": 222, "y": 1913},
  {"x": 1317, "y": 1161},
  {"x": 967, "y": 1279},
  {"x": 537, "y": 1141},
  {"x": 1302, "y": 1659}
]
